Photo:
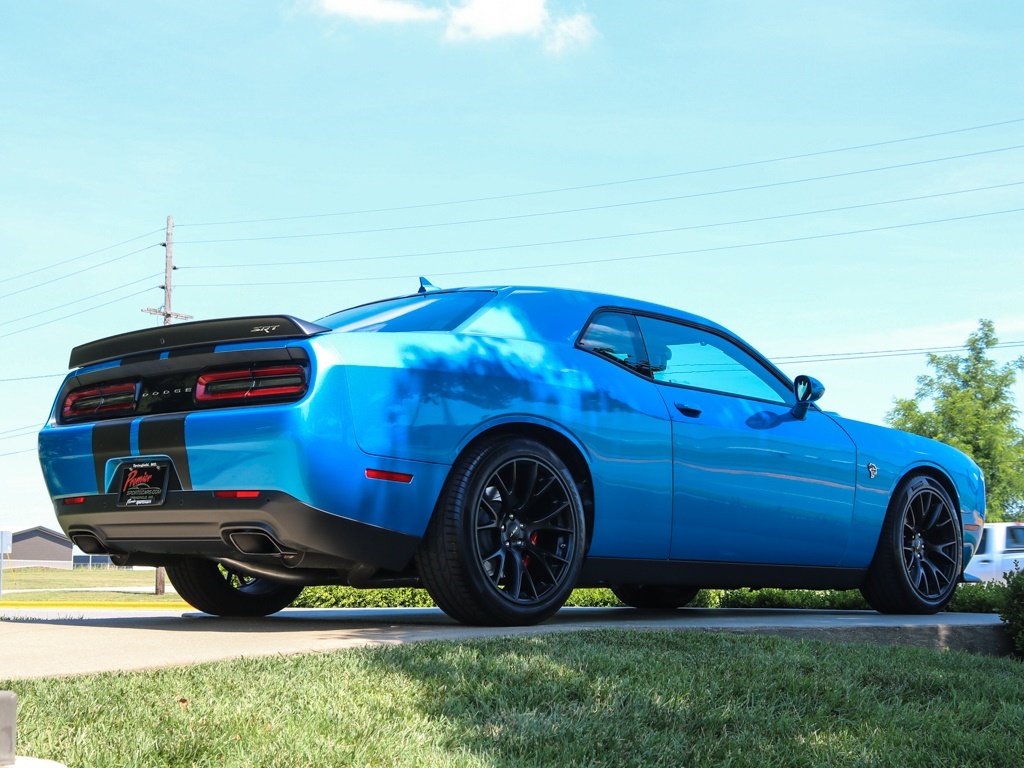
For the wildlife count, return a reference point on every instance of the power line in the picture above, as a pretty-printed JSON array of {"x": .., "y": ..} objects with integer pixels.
[
  {"x": 451, "y": 252},
  {"x": 614, "y": 258},
  {"x": 27, "y": 426},
  {"x": 80, "y": 271},
  {"x": 608, "y": 183},
  {"x": 24, "y": 434},
  {"x": 689, "y": 196},
  {"x": 830, "y": 357},
  {"x": 14, "y": 453},
  {"x": 32, "y": 378},
  {"x": 79, "y": 301},
  {"x": 76, "y": 258},
  {"x": 73, "y": 314}
]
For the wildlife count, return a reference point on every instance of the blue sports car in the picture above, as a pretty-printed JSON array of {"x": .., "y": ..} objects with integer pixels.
[{"x": 500, "y": 447}]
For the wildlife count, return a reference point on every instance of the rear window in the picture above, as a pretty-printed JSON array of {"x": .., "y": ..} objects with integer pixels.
[{"x": 423, "y": 312}]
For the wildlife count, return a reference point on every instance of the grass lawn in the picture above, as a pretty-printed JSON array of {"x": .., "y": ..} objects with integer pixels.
[
  {"x": 610, "y": 697},
  {"x": 54, "y": 578},
  {"x": 59, "y": 596}
]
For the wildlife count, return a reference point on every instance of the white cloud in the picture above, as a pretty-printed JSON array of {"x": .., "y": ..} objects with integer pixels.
[
  {"x": 488, "y": 19},
  {"x": 387, "y": 11},
  {"x": 476, "y": 19},
  {"x": 570, "y": 32}
]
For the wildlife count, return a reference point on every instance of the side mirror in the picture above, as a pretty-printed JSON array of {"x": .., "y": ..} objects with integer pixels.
[{"x": 807, "y": 390}]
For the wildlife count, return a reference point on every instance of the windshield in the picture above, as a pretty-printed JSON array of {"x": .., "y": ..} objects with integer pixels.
[{"x": 422, "y": 312}]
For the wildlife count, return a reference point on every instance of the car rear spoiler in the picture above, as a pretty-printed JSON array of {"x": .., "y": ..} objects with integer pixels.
[{"x": 224, "y": 331}]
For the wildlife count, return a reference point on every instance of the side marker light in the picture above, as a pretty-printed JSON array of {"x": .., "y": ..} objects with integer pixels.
[{"x": 394, "y": 477}]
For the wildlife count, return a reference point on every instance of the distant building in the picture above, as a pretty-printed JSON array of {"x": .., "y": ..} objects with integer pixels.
[{"x": 40, "y": 547}]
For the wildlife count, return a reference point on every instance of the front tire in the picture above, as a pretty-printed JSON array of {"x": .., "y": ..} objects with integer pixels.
[
  {"x": 211, "y": 588},
  {"x": 919, "y": 559},
  {"x": 655, "y": 597},
  {"x": 505, "y": 545}
]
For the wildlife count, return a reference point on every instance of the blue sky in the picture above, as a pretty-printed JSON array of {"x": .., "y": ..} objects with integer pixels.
[{"x": 355, "y": 130}]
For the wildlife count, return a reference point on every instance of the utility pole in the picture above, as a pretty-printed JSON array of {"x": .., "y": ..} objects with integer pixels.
[
  {"x": 169, "y": 268},
  {"x": 165, "y": 311}
]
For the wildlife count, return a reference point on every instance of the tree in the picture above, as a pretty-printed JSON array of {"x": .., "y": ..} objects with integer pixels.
[{"x": 973, "y": 410}]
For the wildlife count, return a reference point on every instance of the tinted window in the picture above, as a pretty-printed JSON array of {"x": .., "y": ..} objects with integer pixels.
[
  {"x": 614, "y": 335},
  {"x": 983, "y": 544},
  {"x": 687, "y": 356},
  {"x": 423, "y": 312},
  {"x": 1015, "y": 539}
]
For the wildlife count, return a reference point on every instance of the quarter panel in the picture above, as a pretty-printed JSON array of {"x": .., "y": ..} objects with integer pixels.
[{"x": 423, "y": 397}]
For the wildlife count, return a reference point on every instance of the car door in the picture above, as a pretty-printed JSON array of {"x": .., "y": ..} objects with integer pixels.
[{"x": 753, "y": 483}]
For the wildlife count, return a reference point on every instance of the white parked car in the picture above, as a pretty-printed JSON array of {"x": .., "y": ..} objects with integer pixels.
[{"x": 1001, "y": 550}]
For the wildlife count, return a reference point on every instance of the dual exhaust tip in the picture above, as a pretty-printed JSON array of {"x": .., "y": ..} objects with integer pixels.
[{"x": 247, "y": 541}]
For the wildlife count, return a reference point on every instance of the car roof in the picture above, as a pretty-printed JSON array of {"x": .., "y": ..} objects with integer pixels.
[{"x": 590, "y": 300}]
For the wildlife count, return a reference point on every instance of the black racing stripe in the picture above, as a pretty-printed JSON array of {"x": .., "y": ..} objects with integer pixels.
[
  {"x": 204, "y": 349},
  {"x": 166, "y": 435},
  {"x": 109, "y": 441}
]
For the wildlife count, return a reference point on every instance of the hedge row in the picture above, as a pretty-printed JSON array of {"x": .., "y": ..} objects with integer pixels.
[{"x": 969, "y": 598}]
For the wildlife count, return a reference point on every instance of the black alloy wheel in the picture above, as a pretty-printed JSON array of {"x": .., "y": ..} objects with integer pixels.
[
  {"x": 919, "y": 559},
  {"x": 506, "y": 543},
  {"x": 214, "y": 589}
]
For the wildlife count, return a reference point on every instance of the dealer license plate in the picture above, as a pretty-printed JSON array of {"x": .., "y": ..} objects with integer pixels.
[{"x": 143, "y": 484}]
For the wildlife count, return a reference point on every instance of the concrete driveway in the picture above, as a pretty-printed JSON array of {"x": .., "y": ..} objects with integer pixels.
[{"x": 52, "y": 642}]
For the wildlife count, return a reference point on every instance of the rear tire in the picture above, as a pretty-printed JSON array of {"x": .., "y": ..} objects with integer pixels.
[
  {"x": 654, "y": 597},
  {"x": 919, "y": 559},
  {"x": 505, "y": 544},
  {"x": 211, "y": 588}
]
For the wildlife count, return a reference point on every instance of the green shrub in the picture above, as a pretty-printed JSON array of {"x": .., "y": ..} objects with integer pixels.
[
  {"x": 969, "y": 598},
  {"x": 986, "y": 597},
  {"x": 350, "y": 597},
  {"x": 593, "y": 598},
  {"x": 1012, "y": 612}
]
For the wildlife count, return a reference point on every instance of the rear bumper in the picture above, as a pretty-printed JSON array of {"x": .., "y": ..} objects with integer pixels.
[{"x": 275, "y": 527}]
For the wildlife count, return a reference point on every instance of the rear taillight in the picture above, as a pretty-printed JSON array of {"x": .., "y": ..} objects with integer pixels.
[
  {"x": 104, "y": 400},
  {"x": 278, "y": 381}
]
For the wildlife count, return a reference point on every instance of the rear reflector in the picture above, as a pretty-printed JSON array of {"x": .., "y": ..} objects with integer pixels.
[
  {"x": 275, "y": 381},
  {"x": 236, "y": 494},
  {"x": 106, "y": 399},
  {"x": 395, "y": 477},
  {"x": 73, "y": 500}
]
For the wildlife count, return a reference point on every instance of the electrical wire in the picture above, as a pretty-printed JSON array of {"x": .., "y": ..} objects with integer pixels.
[
  {"x": 86, "y": 298},
  {"x": 846, "y": 356},
  {"x": 80, "y": 271},
  {"x": 73, "y": 314},
  {"x": 31, "y": 432},
  {"x": 27, "y": 426},
  {"x": 608, "y": 183},
  {"x": 83, "y": 256},
  {"x": 603, "y": 237},
  {"x": 31, "y": 378},
  {"x": 14, "y": 453},
  {"x": 606, "y": 206},
  {"x": 521, "y": 267}
]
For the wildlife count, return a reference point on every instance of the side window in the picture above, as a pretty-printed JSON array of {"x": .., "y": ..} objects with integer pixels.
[
  {"x": 615, "y": 335},
  {"x": 689, "y": 357},
  {"x": 983, "y": 544},
  {"x": 1015, "y": 539}
]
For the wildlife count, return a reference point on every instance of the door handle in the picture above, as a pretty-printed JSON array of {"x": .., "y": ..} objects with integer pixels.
[{"x": 687, "y": 410}]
